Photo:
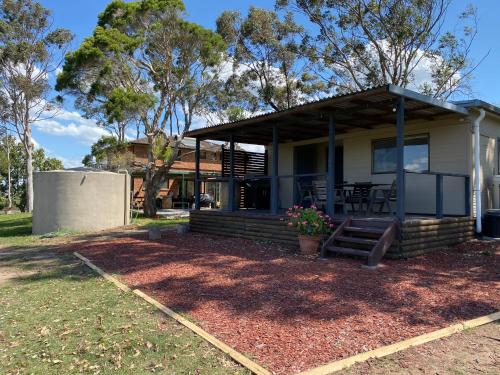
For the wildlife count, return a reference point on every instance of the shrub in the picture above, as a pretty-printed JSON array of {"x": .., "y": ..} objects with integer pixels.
[{"x": 309, "y": 221}]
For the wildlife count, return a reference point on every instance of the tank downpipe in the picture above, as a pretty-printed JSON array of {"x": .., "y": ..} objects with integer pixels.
[{"x": 477, "y": 168}]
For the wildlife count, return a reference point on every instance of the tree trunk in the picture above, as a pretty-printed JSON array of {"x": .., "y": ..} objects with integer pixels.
[
  {"x": 149, "y": 190},
  {"x": 9, "y": 177},
  {"x": 29, "y": 178}
]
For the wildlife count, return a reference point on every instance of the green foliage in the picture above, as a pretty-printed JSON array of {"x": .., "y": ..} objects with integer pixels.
[
  {"x": 268, "y": 70},
  {"x": 363, "y": 43},
  {"x": 30, "y": 50},
  {"x": 109, "y": 153},
  {"x": 145, "y": 65},
  {"x": 18, "y": 168},
  {"x": 309, "y": 221}
]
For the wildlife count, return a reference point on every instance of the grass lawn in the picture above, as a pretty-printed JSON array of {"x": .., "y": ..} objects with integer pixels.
[
  {"x": 58, "y": 317},
  {"x": 140, "y": 221}
]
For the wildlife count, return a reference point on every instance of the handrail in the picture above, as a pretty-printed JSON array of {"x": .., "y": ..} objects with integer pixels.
[{"x": 431, "y": 173}]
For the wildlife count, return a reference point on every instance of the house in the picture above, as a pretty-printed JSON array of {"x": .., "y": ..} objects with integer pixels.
[
  {"x": 439, "y": 158},
  {"x": 178, "y": 190}
]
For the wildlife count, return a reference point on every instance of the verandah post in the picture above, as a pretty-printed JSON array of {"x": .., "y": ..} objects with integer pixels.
[
  {"x": 400, "y": 172},
  {"x": 274, "y": 173},
  {"x": 439, "y": 196},
  {"x": 467, "y": 195},
  {"x": 232, "y": 206},
  {"x": 197, "y": 175},
  {"x": 330, "y": 180}
]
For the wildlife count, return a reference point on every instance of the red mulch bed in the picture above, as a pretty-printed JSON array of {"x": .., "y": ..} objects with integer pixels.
[{"x": 292, "y": 313}]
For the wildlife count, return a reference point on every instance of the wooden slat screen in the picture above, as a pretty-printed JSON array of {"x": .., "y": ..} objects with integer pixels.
[{"x": 245, "y": 163}]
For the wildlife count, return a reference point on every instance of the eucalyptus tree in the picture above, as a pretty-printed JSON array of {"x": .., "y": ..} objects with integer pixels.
[
  {"x": 267, "y": 69},
  {"x": 146, "y": 53},
  {"x": 362, "y": 43},
  {"x": 31, "y": 49},
  {"x": 13, "y": 164},
  {"x": 109, "y": 153}
]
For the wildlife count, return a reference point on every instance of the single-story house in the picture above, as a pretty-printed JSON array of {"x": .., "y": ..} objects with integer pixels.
[{"x": 434, "y": 163}]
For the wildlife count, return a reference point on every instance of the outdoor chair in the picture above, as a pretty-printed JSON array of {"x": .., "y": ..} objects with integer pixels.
[
  {"x": 305, "y": 194},
  {"x": 384, "y": 199},
  {"x": 359, "y": 195},
  {"x": 319, "y": 193},
  {"x": 320, "y": 196}
]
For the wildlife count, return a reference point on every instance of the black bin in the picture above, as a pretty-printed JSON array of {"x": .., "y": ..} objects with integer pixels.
[{"x": 491, "y": 223}]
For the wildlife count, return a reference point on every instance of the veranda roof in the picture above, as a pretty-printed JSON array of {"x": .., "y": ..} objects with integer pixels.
[{"x": 359, "y": 110}]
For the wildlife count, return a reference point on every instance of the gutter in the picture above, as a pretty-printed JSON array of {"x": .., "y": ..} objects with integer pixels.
[{"x": 477, "y": 168}]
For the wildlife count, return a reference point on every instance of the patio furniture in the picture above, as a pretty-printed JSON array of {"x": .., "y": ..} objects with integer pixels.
[
  {"x": 383, "y": 196},
  {"x": 305, "y": 193},
  {"x": 359, "y": 195},
  {"x": 319, "y": 193}
]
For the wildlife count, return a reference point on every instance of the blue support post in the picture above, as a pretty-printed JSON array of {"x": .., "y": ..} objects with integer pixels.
[
  {"x": 231, "y": 203},
  {"x": 197, "y": 175},
  {"x": 274, "y": 173},
  {"x": 330, "y": 181},
  {"x": 400, "y": 158},
  {"x": 439, "y": 196},
  {"x": 467, "y": 196}
]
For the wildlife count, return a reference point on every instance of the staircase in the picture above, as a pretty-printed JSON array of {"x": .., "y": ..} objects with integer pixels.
[{"x": 369, "y": 238}]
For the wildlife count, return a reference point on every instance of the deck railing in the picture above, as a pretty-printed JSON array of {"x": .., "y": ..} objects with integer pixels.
[
  {"x": 294, "y": 179},
  {"x": 440, "y": 190}
]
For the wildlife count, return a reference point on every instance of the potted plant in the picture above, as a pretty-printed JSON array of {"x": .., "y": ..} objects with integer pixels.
[{"x": 312, "y": 225}]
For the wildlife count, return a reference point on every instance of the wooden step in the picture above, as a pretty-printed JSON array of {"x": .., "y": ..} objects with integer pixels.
[
  {"x": 368, "y": 230},
  {"x": 356, "y": 240},
  {"x": 347, "y": 251}
]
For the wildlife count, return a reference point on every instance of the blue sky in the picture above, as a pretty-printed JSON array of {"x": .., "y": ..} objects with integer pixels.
[{"x": 69, "y": 136}]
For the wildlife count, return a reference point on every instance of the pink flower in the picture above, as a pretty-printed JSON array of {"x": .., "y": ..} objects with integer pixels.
[
  {"x": 331, "y": 225},
  {"x": 290, "y": 224},
  {"x": 304, "y": 222}
]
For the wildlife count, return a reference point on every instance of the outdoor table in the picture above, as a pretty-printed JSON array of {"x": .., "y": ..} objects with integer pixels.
[
  {"x": 385, "y": 189},
  {"x": 373, "y": 187}
]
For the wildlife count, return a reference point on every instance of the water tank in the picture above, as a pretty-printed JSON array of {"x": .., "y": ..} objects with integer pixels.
[
  {"x": 491, "y": 223},
  {"x": 80, "y": 200},
  {"x": 496, "y": 191}
]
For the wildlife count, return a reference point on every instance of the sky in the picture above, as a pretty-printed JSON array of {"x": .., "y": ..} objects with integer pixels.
[{"x": 69, "y": 136}]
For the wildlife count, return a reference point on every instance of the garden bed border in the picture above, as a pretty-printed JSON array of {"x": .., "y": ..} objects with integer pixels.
[
  {"x": 238, "y": 357},
  {"x": 320, "y": 370}
]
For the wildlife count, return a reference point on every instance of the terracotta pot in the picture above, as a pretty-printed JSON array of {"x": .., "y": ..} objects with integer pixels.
[{"x": 309, "y": 244}]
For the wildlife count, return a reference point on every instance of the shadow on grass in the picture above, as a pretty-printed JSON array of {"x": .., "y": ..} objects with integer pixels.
[{"x": 15, "y": 225}]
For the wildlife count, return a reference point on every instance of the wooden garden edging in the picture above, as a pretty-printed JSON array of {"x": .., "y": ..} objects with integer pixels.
[
  {"x": 321, "y": 370},
  {"x": 238, "y": 357},
  {"x": 402, "y": 345}
]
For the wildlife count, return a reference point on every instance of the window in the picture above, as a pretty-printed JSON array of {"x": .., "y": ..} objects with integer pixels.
[{"x": 416, "y": 154}]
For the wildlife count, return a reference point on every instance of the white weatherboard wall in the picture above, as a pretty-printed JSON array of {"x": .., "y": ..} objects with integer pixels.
[
  {"x": 450, "y": 151},
  {"x": 490, "y": 135},
  {"x": 80, "y": 201}
]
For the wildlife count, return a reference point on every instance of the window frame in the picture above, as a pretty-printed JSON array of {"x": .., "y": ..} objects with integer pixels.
[{"x": 420, "y": 135}]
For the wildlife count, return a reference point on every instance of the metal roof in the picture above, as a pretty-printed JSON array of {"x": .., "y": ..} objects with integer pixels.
[
  {"x": 364, "y": 109},
  {"x": 476, "y": 103}
]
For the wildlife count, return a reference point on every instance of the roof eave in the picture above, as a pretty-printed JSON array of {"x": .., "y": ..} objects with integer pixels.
[{"x": 409, "y": 94}]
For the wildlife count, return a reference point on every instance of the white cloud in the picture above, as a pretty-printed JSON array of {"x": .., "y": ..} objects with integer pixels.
[
  {"x": 71, "y": 124},
  {"x": 69, "y": 163}
]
